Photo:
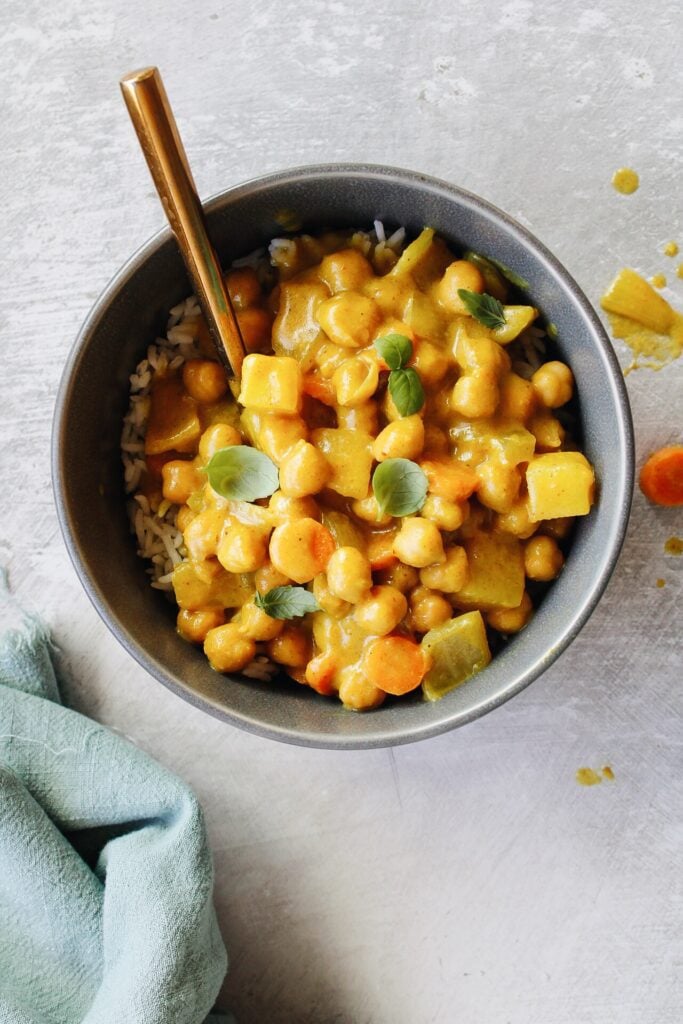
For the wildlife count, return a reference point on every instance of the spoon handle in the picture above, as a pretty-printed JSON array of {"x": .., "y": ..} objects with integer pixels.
[{"x": 152, "y": 117}]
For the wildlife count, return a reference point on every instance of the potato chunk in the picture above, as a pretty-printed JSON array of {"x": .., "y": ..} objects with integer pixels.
[
  {"x": 457, "y": 650},
  {"x": 496, "y": 572},
  {"x": 559, "y": 484},
  {"x": 271, "y": 384},
  {"x": 349, "y": 453}
]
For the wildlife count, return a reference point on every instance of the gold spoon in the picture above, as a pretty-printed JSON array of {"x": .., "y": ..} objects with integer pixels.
[{"x": 157, "y": 131}]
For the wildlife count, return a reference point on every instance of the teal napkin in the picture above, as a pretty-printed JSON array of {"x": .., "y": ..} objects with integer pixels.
[{"x": 106, "y": 912}]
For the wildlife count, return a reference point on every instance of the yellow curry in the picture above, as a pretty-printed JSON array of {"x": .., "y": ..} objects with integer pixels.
[{"x": 390, "y": 487}]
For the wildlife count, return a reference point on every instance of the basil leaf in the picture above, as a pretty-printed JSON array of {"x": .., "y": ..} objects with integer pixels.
[
  {"x": 484, "y": 308},
  {"x": 395, "y": 350},
  {"x": 405, "y": 388},
  {"x": 286, "y": 602},
  {"x": 399, "y": 486},
  {"x": 242, "y": 472}
]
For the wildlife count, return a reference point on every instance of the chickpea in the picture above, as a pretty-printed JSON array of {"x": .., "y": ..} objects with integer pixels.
[
  {"x": 547, "y": 430},
  {"x": 356, "y": 692},
  {"x": 498, "y": 485},
  {"x": 304, "y": 470},
  {"x": 194, "y": 626},
  {"x": 553, "y": 383},
  {"x": 475, "y": 352},
  {"x": 368, "y": 510},
  {"x": 355, "y": 381},
  {"x": 558, "y": 528},
  {"x": 242, "y": 548},
  {"x": 517, "y": 398},
  {"x": 256, "y": 624},
  {"x": 346, "y": 270},
  {"x": 402, "y": 439},
  {"x": 511, "y": 620},
  {"x": 418, "y": 543},
  {"x": 516, "y": 520},
  {"x": 428, "y": 609},
  {"x": 301, "y": 548},
  {"x": 328, "y": 357},
  {"x": 292, "y": 647},
  {"x": 380, "y": 610},
  {"x": 184, "y": 518},
  {"x": 179, "y": 479},
  {"x": 215, "y": 437},
  {"x": 255, "y": 327},
  {"x": 361, "y": 417},
  {"x": 227, "y": 649},
  {"x": 543, "y": 559},
  {"x": 243, "y": 287},
  {"x": 449, "y": 576},
  {"x": 401, "y": 576},
  {"x": 431, "y": 363},
  {"x": 205, "y": 380},
  {"x": 447, "y": 515},
  {"x": 476, "y": 395},
  {"x": 267, "y": 577},
  {"x": 278, "y": 434},
  {"x": 460, "y": 274},
  {"x": 348, "y": 574},
  {"x": 328, "y": 601},
  {"x": 208, "y": 570},
  {"x": 203, "y": 534},
  {"x": 285, "y": 508},
  {"x": 349, "y": 319}
]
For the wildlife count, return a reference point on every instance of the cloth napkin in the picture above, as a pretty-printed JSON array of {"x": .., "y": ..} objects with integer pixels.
[{"x": 106, "y": 882}]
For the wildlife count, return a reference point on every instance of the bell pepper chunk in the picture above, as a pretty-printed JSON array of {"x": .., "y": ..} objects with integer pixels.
[
  {"x": 174, "y": 423},
  {"x": 457, "y": 650}
]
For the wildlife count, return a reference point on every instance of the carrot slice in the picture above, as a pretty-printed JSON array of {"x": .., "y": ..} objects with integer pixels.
[
  {"x": 394, "y": 664},
  {"x": 450, "y": 479},
  {"x": 661, "y": 478}
]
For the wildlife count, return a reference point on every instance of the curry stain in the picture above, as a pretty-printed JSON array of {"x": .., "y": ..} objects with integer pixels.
[
  {"x": 625, "y": 181},
  {"x": 679, "y": 270},
  {"x": 674, "y": 546},
  {"x": 638, "y": 315},
  {"x": 671, "y": 249},
  {"x": 658, "y": 281},
  {"x": 661, "y": 583},
  {"x": 589, "y": 777}
]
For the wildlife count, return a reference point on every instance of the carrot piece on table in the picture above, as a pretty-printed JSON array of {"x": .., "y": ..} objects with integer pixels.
[
  {"x": 394, "y": 664},
  {"x": 661, "y": 478}
]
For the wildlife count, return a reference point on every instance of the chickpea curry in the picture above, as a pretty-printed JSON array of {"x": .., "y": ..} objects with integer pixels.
[{"x": 382, "y": 497}]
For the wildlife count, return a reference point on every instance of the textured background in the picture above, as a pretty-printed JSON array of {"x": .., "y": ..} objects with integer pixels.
[{"x": 468, "y": 878}]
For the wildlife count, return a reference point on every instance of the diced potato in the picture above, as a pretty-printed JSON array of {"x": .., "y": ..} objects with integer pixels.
[
  {"x": 349, "y": 453},
  {"x": 496, "y": 572},
  {"x": 224, "y": 590},
  {"x": 517, "y": 319},
  {"x": 517, "y": 397},
  {"x": 458, "y": 649},
  {"x": 559, "y": 484},
  {"x": 631, "y": 296},
  {"x": 425, "y": 259},
  {"x": 296, "y": 332},
  {"x": 271, "y": 384},
  {"x": 174, "y": 423},
  {"x": 504, "y": 440}
]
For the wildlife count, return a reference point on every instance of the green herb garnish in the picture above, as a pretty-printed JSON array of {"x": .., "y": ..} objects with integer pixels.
[
  {"x": 405, "y": 386},
  {"x": 484, "y": 308},
  {"x": 286, "y": 602},
  {"x": 399, "y": 486},
  {"x": 242, "y": 472}
]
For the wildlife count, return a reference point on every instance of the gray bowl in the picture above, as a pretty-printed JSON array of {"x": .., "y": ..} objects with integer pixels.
[{"x": 93, "y": 397}]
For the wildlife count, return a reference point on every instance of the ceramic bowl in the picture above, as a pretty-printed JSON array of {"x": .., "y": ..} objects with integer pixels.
[{"x": 93, "y": 397}]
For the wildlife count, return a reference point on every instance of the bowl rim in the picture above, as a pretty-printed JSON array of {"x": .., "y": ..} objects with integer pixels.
[{"x": 377, "y": 737}]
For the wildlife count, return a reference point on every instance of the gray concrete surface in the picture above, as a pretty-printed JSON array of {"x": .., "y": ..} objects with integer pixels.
[{"x": 467, "y": 879}]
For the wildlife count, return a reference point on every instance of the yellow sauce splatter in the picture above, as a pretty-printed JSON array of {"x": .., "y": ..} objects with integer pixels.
[
  {"x": 679, "y": 270},
  {"x": 658, "y": 281},
  {"x": 588, "y": 777},
  {"x": 674, "y": 546},
  {"x": 607, "y": 773},
  {"x": 661, "y": 583},
  {"x": 642, "y": 318},
  {"x": 625, "y": 180},
  {"x": 671, "y": 249}
]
